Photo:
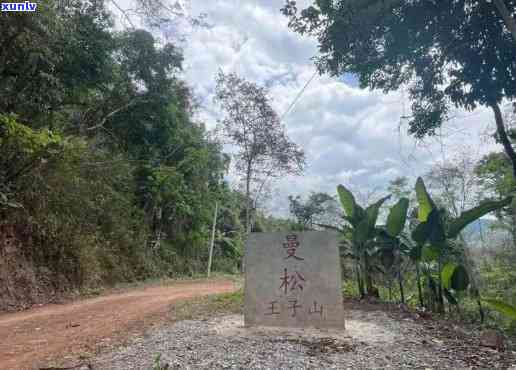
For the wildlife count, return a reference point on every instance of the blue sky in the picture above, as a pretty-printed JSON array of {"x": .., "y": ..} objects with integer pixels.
[{"x": 350, "y": 136}]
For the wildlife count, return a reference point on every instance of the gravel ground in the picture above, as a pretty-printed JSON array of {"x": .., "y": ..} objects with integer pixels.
[{"x": 373, "y": 339}]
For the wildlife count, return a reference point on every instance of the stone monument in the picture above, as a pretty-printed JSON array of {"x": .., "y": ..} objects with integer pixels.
[{"x": 293, "y": 279}]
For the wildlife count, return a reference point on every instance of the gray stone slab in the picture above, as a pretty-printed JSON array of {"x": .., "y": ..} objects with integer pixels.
[{"x": 293, "y": 279}]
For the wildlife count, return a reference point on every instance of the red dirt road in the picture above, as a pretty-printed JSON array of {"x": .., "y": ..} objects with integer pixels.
[{"x": 30, "y": 339}]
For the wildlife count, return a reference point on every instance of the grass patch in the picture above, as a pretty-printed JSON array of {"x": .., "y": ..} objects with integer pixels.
[
  {"x": 232, "y": 302},
  {"x": 121, "y": 287},
  {"x": 209, "y": 306}
]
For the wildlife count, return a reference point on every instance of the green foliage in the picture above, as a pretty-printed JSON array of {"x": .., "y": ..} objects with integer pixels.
[
  {"x": 420, "y": 233},
  {"x": 101, "y": 158},
  {"x": 53, "y": 58},
  {"x": 372, "y": 212},
  {"x": 433, "y": 226},
  {"x": 425, "y": 45},
  {"x": 432, "y": 253},
  {"x": 426, "y": 204},
  {"x": 457, "y": 225},
  {"x": 415, "y": 253},
  {"x": 358, "y": 235},
  {"x": 504, "y": 308},
  {"x": 447, "y": 273},
  {"x": 397, "y": 217},
  {"x": 158, "y": 365},
  {"x": 455, "y": 277},
  {"x": 348, "y": 202},
  {"x": 365, "y": 229},
  {"x": 437, "y": 236},
  {"x": 460, "y": 279},
  {"x": 231, "y": 301},
  {"x": 432, "y": 230},
  {"x": 494, "y": 175},
  {"x": 307, "y": 213},
  {"x": 23, "y": 150},
  {"x": 448, "y": 54}
]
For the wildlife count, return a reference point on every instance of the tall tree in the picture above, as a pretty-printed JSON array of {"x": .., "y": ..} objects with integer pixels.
[
  {"x": 496, "y": 180},
  {"x": 454, "y": 184},
  {"x": 310, "y": 211},
  {"x": 448, "y": 52},
  {"x": 100, "y": 154},
  {"x": 399, "y": 187},
  {"x": 250, "y": 123},
  {"x": 50, "y": 60}
]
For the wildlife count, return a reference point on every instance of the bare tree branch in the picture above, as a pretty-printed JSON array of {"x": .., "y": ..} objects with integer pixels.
[
  {"x": 124, "y": 13},
  {"x": 506, "y": 15},
  {"x": 255, "y": 129},
  {"x": 111, "y": 114}
]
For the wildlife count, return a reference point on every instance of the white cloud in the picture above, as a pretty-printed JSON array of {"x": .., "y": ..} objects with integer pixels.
[{"x": 349, "y": 135}]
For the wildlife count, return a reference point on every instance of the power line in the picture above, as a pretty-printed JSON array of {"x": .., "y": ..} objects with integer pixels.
[{"x": 298, "y": 96}]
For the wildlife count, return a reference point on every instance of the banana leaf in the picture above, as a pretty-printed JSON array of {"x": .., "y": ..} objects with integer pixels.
[
  {"x": 504, "y": 308},
  {"x": 447, "y": 273},
  {"x": 467, "y": 217},
  {"x": 397, "y": 217},
  {"x": 426, "y": 204},
  {"x": 347, "y": 200}
]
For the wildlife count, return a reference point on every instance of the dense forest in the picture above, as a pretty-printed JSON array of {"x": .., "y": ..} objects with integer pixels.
[{"x": 107, "y": 176}]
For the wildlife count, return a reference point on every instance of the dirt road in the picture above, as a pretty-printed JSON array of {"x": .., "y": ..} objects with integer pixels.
[{"x": 31, "y": 339}]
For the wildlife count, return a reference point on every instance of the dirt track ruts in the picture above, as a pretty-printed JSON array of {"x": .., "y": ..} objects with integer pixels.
[{"x": 30, "y": 339}]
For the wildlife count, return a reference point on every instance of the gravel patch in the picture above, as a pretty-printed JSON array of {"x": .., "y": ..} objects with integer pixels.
[{"x": 372, "y": 340}]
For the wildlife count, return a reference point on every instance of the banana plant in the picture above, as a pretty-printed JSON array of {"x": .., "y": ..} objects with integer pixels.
[
  {"x": 392, "y": 245},
  {"x": 359, "y": 234},
  {"x": 436, "y": 233},
  {"x": 502, "y": 307},
  {"x": 415, "y": 255}
]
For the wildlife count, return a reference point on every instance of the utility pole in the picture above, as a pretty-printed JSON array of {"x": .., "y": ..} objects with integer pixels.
[{"x": 212, "y": 241}]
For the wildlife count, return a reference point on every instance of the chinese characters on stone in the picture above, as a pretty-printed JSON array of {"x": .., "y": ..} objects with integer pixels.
[
  {"x": 291, "y": 246},
  {"x": 292, "y": 281},
  {"x": 273, "y": 309}
]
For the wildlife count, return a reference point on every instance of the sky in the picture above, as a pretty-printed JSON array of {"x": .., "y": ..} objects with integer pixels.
[{"x": 350, "y": 136}]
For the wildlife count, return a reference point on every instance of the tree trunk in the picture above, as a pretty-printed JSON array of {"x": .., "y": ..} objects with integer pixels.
[
  {"x": 400, "y": 280},
  {"x": 367, "y": 276},
  {"x": 502, "y": 135},
  {"x": 248, "y": 205},
  {"x": 440, "y": 298},
  {"x": 247, "y": 211},
  {"x": 506, "y": 15},
  {"x": 432, "y": 294},
  {"x": 390, "y": 290},
  {"x": 419, "y": 290},
  {"x": 509, "y": 150},
  {"x": 480, "y": 309},
  {"x": 400, "y": 275},
  {"x": 360, "y": 286}
]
